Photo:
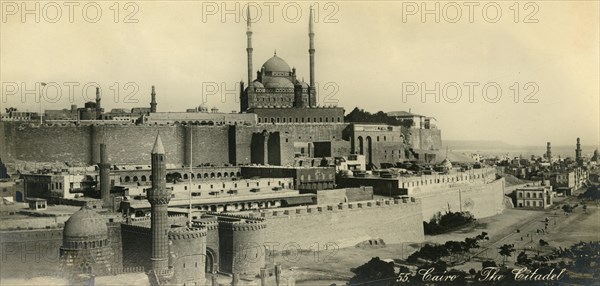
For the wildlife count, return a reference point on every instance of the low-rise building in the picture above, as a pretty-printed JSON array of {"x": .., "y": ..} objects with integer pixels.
[{"x": 534, "y": 197}]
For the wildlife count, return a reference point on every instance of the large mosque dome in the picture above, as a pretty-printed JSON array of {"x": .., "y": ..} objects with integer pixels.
[
  {"x": 278, "y": 82},
  {"x": 276, "y": 64},
  {"x": 85, "y": 225}
]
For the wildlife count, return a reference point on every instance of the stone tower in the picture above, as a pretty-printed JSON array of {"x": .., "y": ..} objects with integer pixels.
[
  {"x": 153, "y": 101},
  {"x": 104, "y": 168},
  {"x": 548, "y": 152},
  {"x": 159, "y": 197}
]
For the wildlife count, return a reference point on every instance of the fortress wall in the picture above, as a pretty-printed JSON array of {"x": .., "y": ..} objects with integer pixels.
[
  {"x": 133, "y": 144},
  {"x": 210, "y": 145},
  {"x": 482, "y": 200},
  {"x": 30, "y": 253},
  {"x": 50, "y": 143},
  {"x": 345, "y": 225},
  {"x": 295, "y": 132}
]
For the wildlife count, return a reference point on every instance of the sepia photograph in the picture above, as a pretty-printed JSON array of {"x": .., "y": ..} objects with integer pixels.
[{"x": 308, "y": 143}]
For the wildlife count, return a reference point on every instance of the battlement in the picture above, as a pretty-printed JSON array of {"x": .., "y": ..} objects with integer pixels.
[
  {"x": 186, "y": 233},
  {"x": 209, "y": 223},
  {"x": 321, "y": 209},
  {"x": 234, "y": 216},
  {"x": 251, "y": 224}
]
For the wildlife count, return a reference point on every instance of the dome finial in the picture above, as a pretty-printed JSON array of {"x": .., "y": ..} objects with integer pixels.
[{"x": 275, "y": 53}]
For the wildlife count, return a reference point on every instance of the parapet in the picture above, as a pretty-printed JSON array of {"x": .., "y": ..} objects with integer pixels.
[
  {"x": 251, "y": 224},
  {"x": 321, "y": 209},
  {"x": 186, "y": 233}
]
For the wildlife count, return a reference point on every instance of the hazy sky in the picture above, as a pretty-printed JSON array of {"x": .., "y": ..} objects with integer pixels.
[{"x": 368, "y": 54}]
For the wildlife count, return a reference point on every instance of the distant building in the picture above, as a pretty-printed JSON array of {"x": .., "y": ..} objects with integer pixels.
[
  {"x": 418, "y": 121},
  {"x": 534, "y": 197}
]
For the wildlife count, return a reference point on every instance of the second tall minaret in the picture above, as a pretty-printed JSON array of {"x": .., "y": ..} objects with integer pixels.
[
  {"x": 159, "y": 197},
  {"x": 312, "y": 100},
  {"x": 249, "y": 48}
]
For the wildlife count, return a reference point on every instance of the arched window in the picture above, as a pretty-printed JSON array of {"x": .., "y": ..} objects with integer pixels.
[
  {"x": 185, "y": 176},
  {"x": 143, "y": 179},
  {"x": 135, "y": 178},
  {"x": 127, "y": 179}
]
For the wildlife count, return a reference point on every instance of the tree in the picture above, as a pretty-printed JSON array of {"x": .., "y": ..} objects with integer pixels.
[
  {"x": 506, "y": 251},
  {"x": 374, "y": 272},
  {"x": 567, "y": 208}
]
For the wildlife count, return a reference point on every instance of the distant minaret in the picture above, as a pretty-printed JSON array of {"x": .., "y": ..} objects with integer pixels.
[
  {"x": 578, "y": 151},
  {"x": 98, "y": 104},
  {"x": 159, "y": 197},
  {"x": 311, "y": 51},
  {"x": 153, "y": 101},
  {"x": 249, "y": 48},
  {"x": 548, "y": 152},
  {"x": 104, "y": 167}
]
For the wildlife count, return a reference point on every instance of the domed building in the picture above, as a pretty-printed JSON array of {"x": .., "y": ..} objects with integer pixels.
[
  {"x": 275, "y": 86},
  {"x": 278, "y": 96},
  {"x": 86, "y": 246}
]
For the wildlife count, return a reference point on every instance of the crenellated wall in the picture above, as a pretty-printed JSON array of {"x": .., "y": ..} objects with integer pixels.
[{"x": 345, "y": 225}]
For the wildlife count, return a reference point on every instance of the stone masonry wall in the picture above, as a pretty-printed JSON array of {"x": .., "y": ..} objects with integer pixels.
[{"x": 345, "y": 225}]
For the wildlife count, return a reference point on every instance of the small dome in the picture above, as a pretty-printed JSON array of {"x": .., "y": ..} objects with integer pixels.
[
  {"x": 278, "y": 82},
  {"x": 202, "y": 108},
  {"x": 446, "y": 163},
  {"x": 257, "y": 84},
  {"x": 276, "y": 64},
  {"x": 304, "y": 85},
  {"x": 85, "y": 224}
]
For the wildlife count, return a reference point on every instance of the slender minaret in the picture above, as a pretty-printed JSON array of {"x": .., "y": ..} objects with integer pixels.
[
  {"x": 578, "y": 151},
  {"x": 153, "y": 101},
  {"x": 104, "y": 167},
  {"x": 311, "y": 51},
  {"x": 548, "y": 152},
  {"x": 249, "y": 48},
  {"x": 159, "y": 197},
  {"x": 98, "y": 104}
]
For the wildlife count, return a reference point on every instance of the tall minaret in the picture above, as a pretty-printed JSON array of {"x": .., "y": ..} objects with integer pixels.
[
  {"x": 548, "y": 152},
  {"x": 311, "y": 51},
  {"x": 249, "y": 48},
  {"x": 159, "y": 197},
  {"x": 98, "y": 104},
  {"x": 578, "y": 151},
  {"x": 104, "y": 167},
  {"x": 153, "y": 101}
]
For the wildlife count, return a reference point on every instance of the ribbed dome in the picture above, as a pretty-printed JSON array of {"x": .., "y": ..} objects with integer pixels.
[
  {"x": 278, "y": 82},
  {"x": 276, "y": 64},
  {"x": 85, "y": 223}
]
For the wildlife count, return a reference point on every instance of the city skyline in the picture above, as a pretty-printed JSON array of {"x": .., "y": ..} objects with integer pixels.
[{"x": 368, "y": 65}]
